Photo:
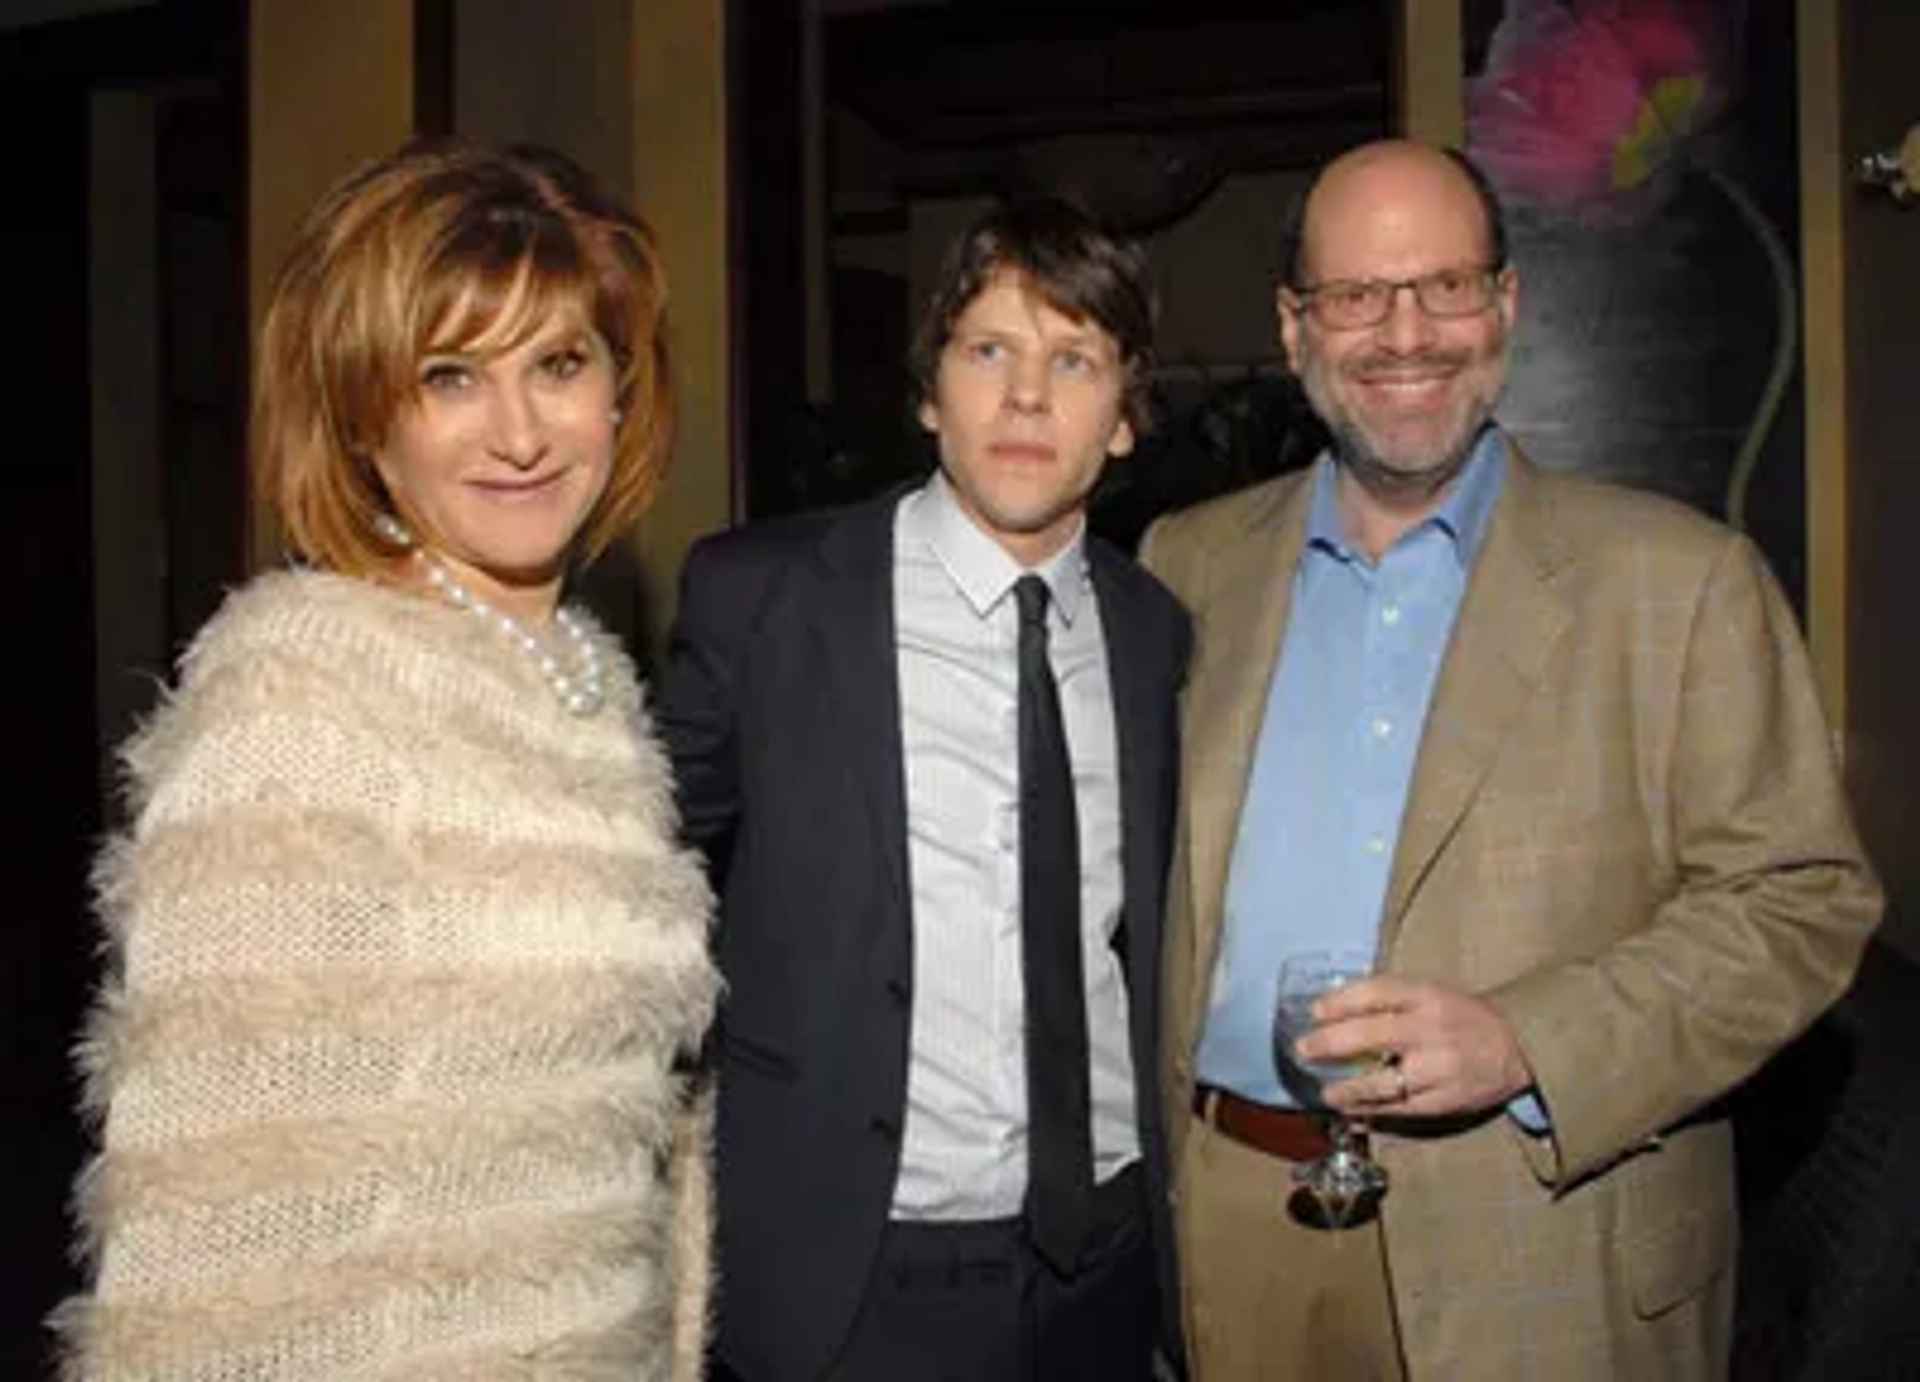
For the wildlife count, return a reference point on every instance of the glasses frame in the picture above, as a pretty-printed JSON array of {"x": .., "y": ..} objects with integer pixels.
[{"x": 1310, "y": 300}]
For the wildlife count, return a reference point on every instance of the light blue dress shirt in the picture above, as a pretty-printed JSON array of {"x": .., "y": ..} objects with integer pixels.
[{"x": 1361, "y": 654}]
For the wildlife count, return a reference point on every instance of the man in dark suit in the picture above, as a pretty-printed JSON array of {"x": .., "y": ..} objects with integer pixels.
[{"x": 928, "y": 745}]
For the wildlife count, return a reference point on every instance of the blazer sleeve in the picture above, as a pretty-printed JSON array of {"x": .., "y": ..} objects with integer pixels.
[
  {"x": 697, "y": 708},
  {"x": 1772, "y": 902}
]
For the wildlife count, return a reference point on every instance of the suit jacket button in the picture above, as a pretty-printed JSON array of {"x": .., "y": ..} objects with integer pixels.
[
  {"x": 884, "y": 1128},
  {"x": 898, "y": 991}
]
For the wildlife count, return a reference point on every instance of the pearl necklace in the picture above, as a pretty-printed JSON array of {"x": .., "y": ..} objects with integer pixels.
[{"x": 581, "y": 690}]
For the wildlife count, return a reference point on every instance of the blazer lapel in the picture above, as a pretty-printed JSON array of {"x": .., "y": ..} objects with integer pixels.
[
  {"x": 852, "y": 628},
  {"x": 1240, "y": 618},
  {"x": 1511, "y": 620},
  {"x": 1137, "y": 672}
]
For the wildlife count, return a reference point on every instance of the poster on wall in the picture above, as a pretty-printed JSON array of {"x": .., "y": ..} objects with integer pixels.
[{"x": 1646, "y": 150}]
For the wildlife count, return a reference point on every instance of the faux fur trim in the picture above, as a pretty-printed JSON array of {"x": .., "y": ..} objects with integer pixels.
[
  {"x": 602, "y": 1355},
  {"x": 560, "y": 1015},
  {"x": 543, "y": 1253},
  {"x": 606, "y": 1116}
]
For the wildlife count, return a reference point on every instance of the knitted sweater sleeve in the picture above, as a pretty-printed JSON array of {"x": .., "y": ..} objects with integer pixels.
[
  {"x": 692, "y": 1218},
  {"x": 258, "y": 867}
]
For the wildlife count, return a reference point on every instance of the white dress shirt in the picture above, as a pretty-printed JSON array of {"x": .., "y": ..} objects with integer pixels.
[{"x": 964, "y": 1146}]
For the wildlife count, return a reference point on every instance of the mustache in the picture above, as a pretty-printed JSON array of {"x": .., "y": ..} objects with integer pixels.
[{"x": 1391, "y": 363}]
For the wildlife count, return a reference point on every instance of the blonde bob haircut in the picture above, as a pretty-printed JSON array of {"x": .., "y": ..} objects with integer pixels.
[{"x": 445, "y": 247}]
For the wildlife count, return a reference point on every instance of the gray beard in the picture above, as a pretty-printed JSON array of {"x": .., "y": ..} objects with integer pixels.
[{"x": 1401, "y": 484}]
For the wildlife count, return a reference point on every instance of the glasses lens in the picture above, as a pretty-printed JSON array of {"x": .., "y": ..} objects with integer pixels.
[
  {"x": 1352, "y": 304},
  {"x": 1358, "y": 302},
  {"x": 1454, "y": 292}
]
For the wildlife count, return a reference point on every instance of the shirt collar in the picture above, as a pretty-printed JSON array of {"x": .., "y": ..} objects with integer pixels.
[
  {"x": 980, "y": 568},
  {"x": 1462, "y": 515}
]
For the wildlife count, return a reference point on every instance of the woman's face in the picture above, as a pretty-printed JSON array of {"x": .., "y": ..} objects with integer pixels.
[{"x": 501, "y": 457}]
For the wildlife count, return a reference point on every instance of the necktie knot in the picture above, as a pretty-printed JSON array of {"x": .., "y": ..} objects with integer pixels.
[{"x": 1030, "y": 593}]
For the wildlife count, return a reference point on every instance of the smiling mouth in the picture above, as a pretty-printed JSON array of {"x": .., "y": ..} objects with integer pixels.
[
  {"x": 519, "y": 489},
  {"x": 1407, "y": 388}
]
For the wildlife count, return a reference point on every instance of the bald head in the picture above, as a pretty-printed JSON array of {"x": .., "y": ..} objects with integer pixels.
[{"x": 1419, "y": 181}]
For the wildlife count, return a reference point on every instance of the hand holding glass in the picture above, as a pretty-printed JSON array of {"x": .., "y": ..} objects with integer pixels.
[{"x": 1345, "y": 1183}]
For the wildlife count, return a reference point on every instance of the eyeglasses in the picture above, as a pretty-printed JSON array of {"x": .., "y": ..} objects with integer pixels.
[{"x": 1353, "y": 304}]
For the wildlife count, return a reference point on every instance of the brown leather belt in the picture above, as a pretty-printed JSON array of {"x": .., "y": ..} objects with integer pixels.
[{"x": 1283, "y": 1132}]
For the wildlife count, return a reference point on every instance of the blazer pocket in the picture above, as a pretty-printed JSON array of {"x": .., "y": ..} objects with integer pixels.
[
  {"x": 1680, "y": 1218},
  {"x": 756, "y": 1057}
]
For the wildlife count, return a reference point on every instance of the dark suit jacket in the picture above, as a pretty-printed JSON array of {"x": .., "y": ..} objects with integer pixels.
[{"x": 780, "y": 706}]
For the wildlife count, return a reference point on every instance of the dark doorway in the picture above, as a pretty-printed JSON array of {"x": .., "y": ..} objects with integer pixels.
[{"x": 122, "y": 130}]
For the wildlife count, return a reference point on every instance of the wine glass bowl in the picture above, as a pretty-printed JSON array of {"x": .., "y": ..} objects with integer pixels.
[
  {"x": 1345, "y": 1184},
  {"x": 1304, "y": 980}
]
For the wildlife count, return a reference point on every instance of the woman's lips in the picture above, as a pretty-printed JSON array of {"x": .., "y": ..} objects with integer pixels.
[{"x": 519, "y": 488}]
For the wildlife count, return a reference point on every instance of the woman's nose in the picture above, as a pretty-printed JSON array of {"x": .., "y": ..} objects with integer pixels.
[{"x": 518, "y": 431}]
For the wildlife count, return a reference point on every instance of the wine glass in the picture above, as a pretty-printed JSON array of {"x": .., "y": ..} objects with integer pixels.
[{"x": 1346, "y": 1184}]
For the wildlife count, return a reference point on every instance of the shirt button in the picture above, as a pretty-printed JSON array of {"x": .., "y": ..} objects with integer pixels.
[
  {"x": 1382, "y": 727},
  {"x": 1376, "y": 845},
  {"x": 1390, "y": 614}
]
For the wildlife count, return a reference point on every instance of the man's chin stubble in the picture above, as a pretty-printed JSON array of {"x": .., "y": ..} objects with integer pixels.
[{"x": 1400, "y": 485}]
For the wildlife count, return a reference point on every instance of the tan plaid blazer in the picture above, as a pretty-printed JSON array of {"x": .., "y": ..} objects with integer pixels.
[{"x": 1625, "y": 827}]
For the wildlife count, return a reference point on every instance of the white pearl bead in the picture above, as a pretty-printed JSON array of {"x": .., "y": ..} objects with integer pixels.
[{"x": 580, "y": 692}]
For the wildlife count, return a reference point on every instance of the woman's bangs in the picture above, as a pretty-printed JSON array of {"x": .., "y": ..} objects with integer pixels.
[{"x": 495, "y": 295}]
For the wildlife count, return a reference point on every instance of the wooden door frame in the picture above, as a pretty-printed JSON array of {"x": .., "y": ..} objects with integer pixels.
[{"x": 1823, "y": 192}]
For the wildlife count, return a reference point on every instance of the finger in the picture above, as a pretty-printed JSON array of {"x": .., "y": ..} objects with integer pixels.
[
  {"x": 1376, "y": 993},
  {"x": 1345, "y": 1039},
  {"x": 1384, "y": 1089}
]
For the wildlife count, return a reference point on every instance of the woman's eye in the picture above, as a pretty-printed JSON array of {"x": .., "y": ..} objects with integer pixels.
[
  {"x": 444, "y": 376},
  {"x": 985, "y": 351},
  {"x": 564, "y": 364},
  {"x": 1073, "y": 362}
]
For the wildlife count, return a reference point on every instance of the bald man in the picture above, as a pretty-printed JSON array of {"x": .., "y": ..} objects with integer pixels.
[{"x": 1551, "y": 752}]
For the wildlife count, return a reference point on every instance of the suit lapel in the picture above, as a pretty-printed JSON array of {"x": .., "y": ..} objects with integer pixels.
[
  {"x": 852, "y": 627},
  {"x": 1240, "y": 617},
  {"x": 1137, "y": 672},
  {"x": 1511, "y": 620}
]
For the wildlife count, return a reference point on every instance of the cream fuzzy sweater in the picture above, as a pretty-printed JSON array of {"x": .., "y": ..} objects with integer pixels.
[{"x": 405, "y": 960}]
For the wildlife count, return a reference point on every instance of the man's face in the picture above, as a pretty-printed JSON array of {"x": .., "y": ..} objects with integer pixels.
[
  {"x": 1405, "y": 398},
  {"x": 1026, "y": 408}
]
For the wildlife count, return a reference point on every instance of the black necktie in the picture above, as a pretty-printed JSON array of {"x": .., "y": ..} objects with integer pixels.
[{"x": 1060, "y": 1138}]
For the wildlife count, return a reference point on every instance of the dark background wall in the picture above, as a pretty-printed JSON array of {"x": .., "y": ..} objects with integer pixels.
[{"x": 123, "y": 511}]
